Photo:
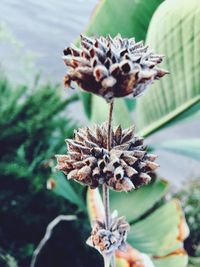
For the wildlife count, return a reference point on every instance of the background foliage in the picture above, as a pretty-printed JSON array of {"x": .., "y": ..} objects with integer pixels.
[
  {"x": 32, "y": 125},
  {"x": 34, "y": 121},
  {"x": 190, "y": 199}
]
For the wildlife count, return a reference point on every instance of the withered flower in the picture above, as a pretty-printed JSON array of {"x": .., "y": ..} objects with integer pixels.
[
  {"x": 123, "y": 168},
  {"x": 112, "y": 67},
  {"x": 107, "y": 241}
]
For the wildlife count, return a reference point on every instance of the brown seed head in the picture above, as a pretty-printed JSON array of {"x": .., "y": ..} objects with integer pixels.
[
  {"x": 107, "y": 241},
  {"x": 123, "y": 168},
  {"x": 112, "y": 67}
]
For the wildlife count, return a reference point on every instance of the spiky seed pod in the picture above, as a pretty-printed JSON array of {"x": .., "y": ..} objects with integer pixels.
[
  {"x": 123, "y": 168},
  {"x": 112, "y": 67},
  {"x": 107, "y": 241}
]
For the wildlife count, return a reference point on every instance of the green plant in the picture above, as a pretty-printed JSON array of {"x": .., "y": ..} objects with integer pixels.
[
  {"x": 190, "y": 199},
  {"x": 157, "y": 228},
  {"x": 6, "y": 260},
  {"x": 32, "y": 122},
  {"x": 131, "y": 19},
  {"x": 176, "y": 99},
  {"x": 103, "y": 155}
]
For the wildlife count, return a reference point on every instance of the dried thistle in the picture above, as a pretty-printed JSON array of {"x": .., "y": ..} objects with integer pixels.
[
  {"x": 124, "y": 167},
  {"x": 112, "y": 67},
  {"x": 107, "y": 241}
]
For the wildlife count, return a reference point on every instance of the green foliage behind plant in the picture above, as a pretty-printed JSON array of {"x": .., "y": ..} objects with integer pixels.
[
  {"x": 177, "y": 97},
  {"x": 32, "y": 128},
  {"x": 6, "y": 260},
  {"x": 131, "y": 18},
  {"x": 173, "y": 31},
  {"x": 190, "y": 198}
]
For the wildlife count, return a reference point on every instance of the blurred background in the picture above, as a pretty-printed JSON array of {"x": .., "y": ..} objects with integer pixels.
[{"x": 37, "y": 114}]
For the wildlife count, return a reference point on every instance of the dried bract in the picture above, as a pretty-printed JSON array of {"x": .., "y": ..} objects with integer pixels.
[
  {"x": 107, "y": 241},
  {"x": 112, "y": 67},
  {"x": 123, "y": 168}
]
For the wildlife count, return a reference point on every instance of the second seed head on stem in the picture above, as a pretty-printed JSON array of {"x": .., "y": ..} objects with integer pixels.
[{"x": 125, "y": 167}]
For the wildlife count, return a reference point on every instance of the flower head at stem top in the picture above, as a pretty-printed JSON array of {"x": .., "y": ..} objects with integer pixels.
[{"x": 112, "y": 67}]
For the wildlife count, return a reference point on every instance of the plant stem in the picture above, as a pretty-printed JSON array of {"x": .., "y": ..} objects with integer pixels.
[
  {"x": 109, "y": 126},
  {"x": 105, "y": 187},
  {"x": 106, "y": 262},
  {"x": 106, "y": 205},
  {"x": 113, "y": 261}
]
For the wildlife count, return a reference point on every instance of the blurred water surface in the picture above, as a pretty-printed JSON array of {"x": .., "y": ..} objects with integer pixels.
[{"x": 42, "y": 28}]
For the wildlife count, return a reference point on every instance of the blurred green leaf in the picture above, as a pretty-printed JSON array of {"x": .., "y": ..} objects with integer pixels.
[
  {"x": 6, "y": 260},
  {"x": 159, "y": 234},
  {"x": 152, "y": 237},
  {"x": 187, "y": 147},
  {"x": 86, "y": 99},
  {"x": 130, "y": 103},
  {"x": 132, "y": 18},
  {"x": 33, "y": 126},
  {"x": 100, "y": 112},
  {"x": 189, "y": 196},
  {"x": 194, "y": 262},
  {"x": 94, "y": 204},
  {"x": 63, "y": 188},
  {"x": 177, "y": 37},
  {"x": 136, "y": 203},
  {"x": 178, "y": 259}
]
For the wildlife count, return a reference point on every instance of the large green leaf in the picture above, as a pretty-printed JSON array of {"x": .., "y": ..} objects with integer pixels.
[
  {"x": 131, "y": 18},
  {"x": 194, "y": 261},
  {"x": 178, "y": 259},
  {"x": 94, "y": 205},
  {"x": 128, "y": 17},
  {"x": 158, "y": 234},
  {"x": 186, "y": 147},
  {"x": 61, "y": 186},
  {"x": 86, "y": 101},
  {"x": 174, "y": 32},
  {"x": 100, "y": 112},
  {"x": 137, "y": 203}
]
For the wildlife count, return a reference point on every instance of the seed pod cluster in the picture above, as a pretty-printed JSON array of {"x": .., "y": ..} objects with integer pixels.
[
  {"x": 123, "y": 168},
  {"x": 112, "y": 67},
  {"x": 107, "y": 241}
]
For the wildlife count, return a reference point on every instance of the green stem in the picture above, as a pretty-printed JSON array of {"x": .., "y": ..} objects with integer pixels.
[
  {"x": 106, "y": 203},
  {"x": 106, "y": 261},
  {"x": 105, "y": 188}
]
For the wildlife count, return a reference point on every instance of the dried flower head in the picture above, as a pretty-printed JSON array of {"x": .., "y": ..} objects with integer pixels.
[
  {"x": 107, "y": 241},
  {"x": 124, "y": 167},
  {"x": 112, "y": 67}
]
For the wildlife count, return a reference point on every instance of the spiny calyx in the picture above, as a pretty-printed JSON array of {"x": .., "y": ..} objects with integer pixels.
[
  {"x": 112, "y": 67},
  {"x": 123, "y": 168},
  {"x": 107, "y": 241}
]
